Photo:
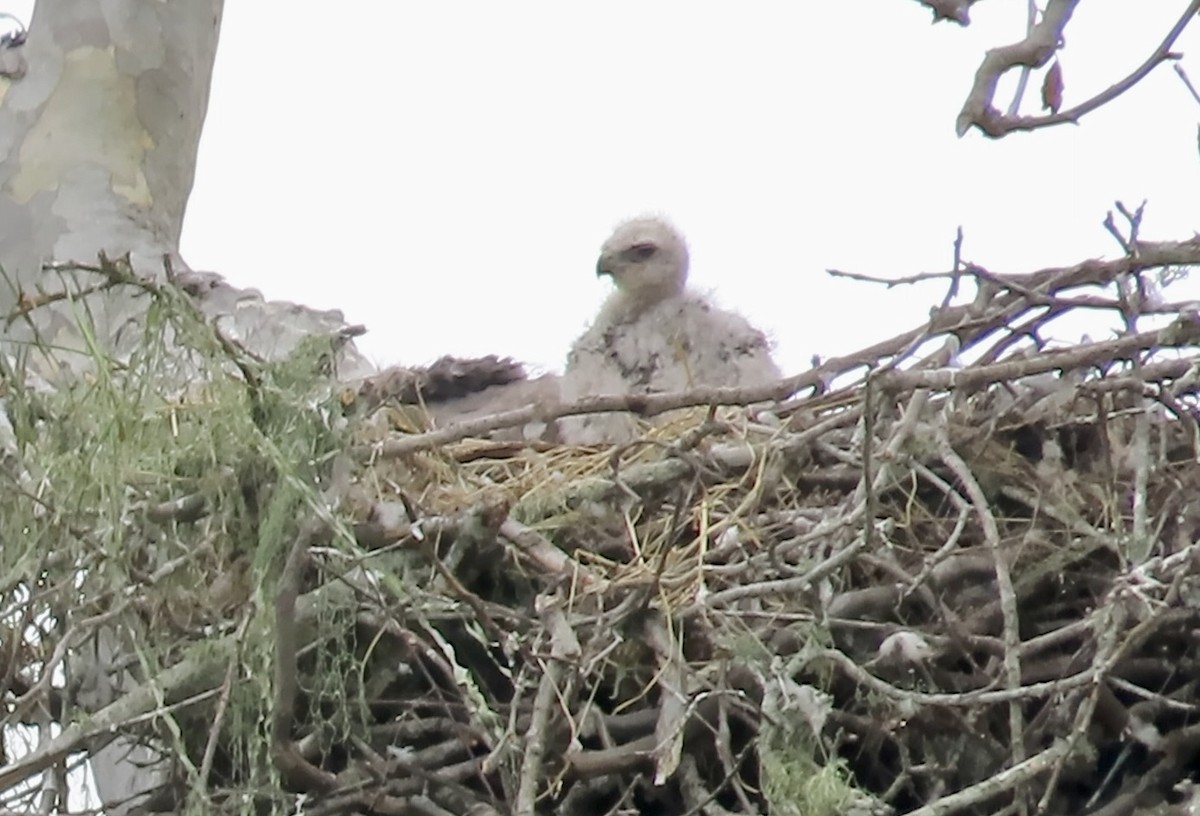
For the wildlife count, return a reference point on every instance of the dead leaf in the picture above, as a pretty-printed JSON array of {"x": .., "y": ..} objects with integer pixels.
[{"x": 1052, "y": 88}]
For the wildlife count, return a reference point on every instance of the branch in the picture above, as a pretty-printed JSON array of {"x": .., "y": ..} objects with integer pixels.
[
  {"x": 641, "y": 404},
  {"x": 564, "y": 653},
  {"x": 1004, "y": 585},
  {"x": 673, "y": 700},
  {"x": 1039, "y": 45},
  {"x": 295, "y": 770},
  {"x": 1042, "y": 42},
  {"x": 1005, "y": 780},
  {"x": 1031, "y": 15},
  {"x": 1182, "y": 332},
  {"x": 200, "y": 671}
]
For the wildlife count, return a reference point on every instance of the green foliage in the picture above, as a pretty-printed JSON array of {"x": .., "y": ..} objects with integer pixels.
[
  {"x": 91, "y": 467},
  {"x": 797, "y": 786},
  {"x": 798, "y": 778}
]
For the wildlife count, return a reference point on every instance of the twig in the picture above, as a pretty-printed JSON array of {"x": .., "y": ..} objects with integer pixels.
[
  {"x": 1132, "y": 299},
  {"x": 781, "y": 586},
  {"x": 1186, "y": 81},
  {"x": 673, "y": 701},
  {"x": 903, "y": 280},
  {"x": 535, "y": 736},
  {"x": 990, "y": 788},
  {"x": 1004, "y": 583},
  {"x": 1180, "y": 333},
  {"x": 214, "y": 733},
  {"x": 202, "y": 670},
  {"x": 1014, "y": 107},
  {"x": 292, "y": 766},
  {"x": 956, "y": 276},
  {"x": 965, "y": 699},
  {"x": 549, "y": 558}
]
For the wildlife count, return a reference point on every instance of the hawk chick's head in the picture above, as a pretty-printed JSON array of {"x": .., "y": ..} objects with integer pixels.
[{"x": 647, "y": 259}]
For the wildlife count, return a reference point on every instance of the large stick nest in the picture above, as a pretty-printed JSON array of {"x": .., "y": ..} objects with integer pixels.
[{"x": 955, "y": 572}]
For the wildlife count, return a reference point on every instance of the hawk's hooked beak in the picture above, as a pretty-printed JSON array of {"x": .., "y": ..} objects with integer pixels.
[{"x": 603, "y": 268}]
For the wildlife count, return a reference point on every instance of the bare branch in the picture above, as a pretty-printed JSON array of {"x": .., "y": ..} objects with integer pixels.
[
  {"x": 1039, "y": 45},
  {"x": 1186, "y": 81},
  {"x": 1031, "y": 13},
  {"x": 292, "y": 766},
  {"x": 1034, "y": 51}
]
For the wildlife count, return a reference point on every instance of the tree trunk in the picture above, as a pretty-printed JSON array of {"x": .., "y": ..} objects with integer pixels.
[
  {"x": 98, "y": 145},
  {"x": 98, "y": 141}
]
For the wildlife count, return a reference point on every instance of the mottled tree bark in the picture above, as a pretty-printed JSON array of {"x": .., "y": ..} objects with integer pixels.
[{"x": 98, "y": 145}]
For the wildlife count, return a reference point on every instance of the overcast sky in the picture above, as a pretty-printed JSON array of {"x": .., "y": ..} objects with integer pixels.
[{"x": 444, "y": 173}]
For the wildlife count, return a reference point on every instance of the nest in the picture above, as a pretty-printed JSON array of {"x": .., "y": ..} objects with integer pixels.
[{"x": 956, "y": 572}]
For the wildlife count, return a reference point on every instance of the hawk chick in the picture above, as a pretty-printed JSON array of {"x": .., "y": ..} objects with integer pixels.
[{"x": 653, "y": 334}]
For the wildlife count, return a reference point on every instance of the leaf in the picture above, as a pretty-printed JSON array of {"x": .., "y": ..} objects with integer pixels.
[{"x": 1052, "y": 88}]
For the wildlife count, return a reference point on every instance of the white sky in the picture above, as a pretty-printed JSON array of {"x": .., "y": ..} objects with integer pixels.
[{"x": 445, "y": 172}]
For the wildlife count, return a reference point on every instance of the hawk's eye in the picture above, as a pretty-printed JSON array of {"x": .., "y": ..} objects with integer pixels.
[{"x": 641, "y": 252}]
